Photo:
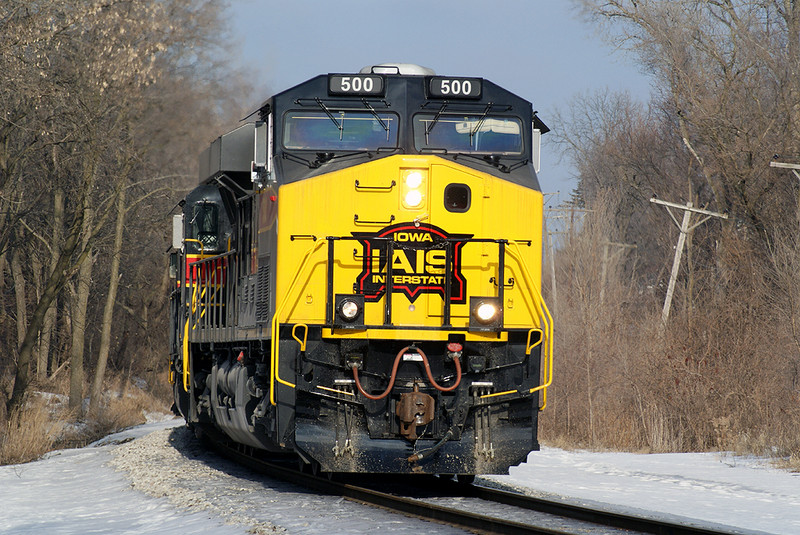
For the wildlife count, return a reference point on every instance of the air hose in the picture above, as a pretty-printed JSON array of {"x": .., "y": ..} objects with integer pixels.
[{"x": 424, "y": 454}]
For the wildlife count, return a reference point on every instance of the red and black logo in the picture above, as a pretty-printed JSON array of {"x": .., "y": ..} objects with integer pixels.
[{"x": 419, "y": 258}]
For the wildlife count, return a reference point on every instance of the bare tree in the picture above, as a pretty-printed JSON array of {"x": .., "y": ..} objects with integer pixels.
[
  {"x": 78, "y": 73},
  {"x": 726, "y": 72},
  {"x": 725, "y": 100}
]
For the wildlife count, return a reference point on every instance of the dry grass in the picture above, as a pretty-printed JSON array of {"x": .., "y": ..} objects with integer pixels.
[
  {"x": 30, "y": 432},
  {"x": 723, "y": 376},
  {"x": 124, "y": 406},
  {"x": 44, "y": 423}
]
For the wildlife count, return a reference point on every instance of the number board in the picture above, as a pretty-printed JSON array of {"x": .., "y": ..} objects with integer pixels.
[
  {"x": 355, "y": 84},
  {"x": 445, "y": 87}
]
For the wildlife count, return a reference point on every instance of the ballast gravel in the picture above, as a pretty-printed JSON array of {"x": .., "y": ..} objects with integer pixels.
[{"x": 171, "y": 463}]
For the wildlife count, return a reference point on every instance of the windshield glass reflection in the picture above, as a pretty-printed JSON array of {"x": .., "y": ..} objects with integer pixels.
[
  {"x": 339, "y": 130},
  {"x": 468, "y": 133}
]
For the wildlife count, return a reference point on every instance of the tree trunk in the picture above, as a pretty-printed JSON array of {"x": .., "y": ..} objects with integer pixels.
[
  {"x": 108, "y": 311},
  {"x": 3, "y": 264},
  {"x": 36, "y": 272},
  {"x": 19, "y": 292},
  {"x": 43, "y": 364},
  {"x": 54, "y": 285},
  {"x": 79, "y": 308}
]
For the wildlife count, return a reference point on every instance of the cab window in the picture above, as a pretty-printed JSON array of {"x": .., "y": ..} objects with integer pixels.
[
  {"x": 339, "y": 130},
  {"x": 205, "y": 225},
  {"x": 468, "y": 133}
]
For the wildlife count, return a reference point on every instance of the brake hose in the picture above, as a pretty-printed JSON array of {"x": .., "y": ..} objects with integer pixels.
[{"x": 394, "y": 375}]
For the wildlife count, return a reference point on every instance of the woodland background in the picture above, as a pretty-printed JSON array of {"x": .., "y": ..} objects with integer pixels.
[{"x": 105, "y": 105}]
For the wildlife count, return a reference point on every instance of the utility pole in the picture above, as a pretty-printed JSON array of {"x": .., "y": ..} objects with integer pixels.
[
  {"x": 552, "y": 261},
  {"x": 685, "y": 227},
  {"x": 551, "y": 256}
]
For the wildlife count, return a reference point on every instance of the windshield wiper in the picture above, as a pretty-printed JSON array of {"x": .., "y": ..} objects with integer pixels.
[
  {"x": 321, "y": 158},
  {"x": 330, "y": 116},
  {"x": 435, "y": 120},
  {"x": 494, "y": 160},
  {"x": 378, "y": 117},
  {"x": 325, "y": 157},
  {"x": 295, "y": 158},
  {"x": 480, "y": 122}
]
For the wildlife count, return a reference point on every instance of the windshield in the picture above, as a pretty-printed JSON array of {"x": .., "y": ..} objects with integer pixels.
[
  {"x": 337, "y": 130},
  {"x": 468, "y": 133}
]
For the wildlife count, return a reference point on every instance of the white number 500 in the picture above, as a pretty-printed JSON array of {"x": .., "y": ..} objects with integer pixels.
[
  {"x": 456, "y": 87},
  {"x": 356, "y": 84}
]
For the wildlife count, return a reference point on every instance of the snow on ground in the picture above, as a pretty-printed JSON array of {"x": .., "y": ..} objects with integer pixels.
[
  {"x": 73, "y": 491},
  {"x": 147, "y": 480},
  {"x": 163, "y": 482},
  {"x": 743, "y": 492}
]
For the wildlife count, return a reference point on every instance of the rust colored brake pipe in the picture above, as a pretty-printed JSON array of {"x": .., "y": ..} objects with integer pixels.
[
  {"x": 394, "y": 375},
  {"x": 430, "y": 375},
  {"x": 391, "y": 379}
]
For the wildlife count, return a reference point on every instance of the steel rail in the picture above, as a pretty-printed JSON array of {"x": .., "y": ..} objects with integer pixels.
[
  {"x": 458, "y": 518},
  {"x": 577, "y": 512},
  {"x": 408, "y": 506}
]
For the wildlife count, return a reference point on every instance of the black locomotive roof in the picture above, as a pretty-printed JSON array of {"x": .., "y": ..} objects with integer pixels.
[
  {"x": 402, "y": 93},
  {"x": 405, "y": 95}
]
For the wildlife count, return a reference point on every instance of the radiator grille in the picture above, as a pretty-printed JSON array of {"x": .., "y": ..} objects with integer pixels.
[{"x": 262, "y": 298}]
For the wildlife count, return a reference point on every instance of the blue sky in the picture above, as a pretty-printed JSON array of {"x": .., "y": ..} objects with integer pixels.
[{"x": 540, "y": 49}]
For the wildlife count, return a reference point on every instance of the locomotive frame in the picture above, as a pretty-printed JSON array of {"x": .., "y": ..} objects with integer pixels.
[{"x": 346, "y": 289}]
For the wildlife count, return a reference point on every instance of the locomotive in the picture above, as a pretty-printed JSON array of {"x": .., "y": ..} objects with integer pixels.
[{"x": 357, "y": 277}]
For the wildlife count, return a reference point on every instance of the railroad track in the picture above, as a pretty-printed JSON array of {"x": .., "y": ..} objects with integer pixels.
[{"x": 542, "y": 516}]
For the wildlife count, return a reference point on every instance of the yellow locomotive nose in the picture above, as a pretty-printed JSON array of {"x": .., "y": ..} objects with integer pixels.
[{"x": 417, "y": 238}]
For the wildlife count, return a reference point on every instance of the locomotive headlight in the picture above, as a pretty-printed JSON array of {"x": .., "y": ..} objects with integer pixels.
[
  {"x": 349, "y": 310},
  {"x": 414, "y": 186},
  {"x": 486, "y": 313},
  {"x": 414, "y": 179},
  {"x": 413, "y": 198}
]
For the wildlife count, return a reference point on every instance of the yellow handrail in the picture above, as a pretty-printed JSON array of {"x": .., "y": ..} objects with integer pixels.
[
  {"x": 305, "y": 335},
  {"x": 546, "y": 323},
  {"x": 202, "y": 245},
  {"x": 186, "y": 356},
  {"x": 528, "y": 345},
  {"x": 276, "y": 322},
  {"x": 192, "y": 311}
]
